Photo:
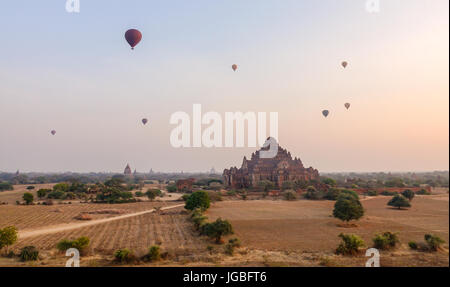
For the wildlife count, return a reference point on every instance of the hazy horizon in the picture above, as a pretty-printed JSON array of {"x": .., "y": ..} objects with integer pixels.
[{"x": 76, "y": 74}]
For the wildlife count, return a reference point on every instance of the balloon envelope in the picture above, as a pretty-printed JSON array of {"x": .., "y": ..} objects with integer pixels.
[
  {"x": 325, "y": 113},
  {"x": 133, "y": 37},
  {"x": 234, "y": 67},
  {"x": 144, "y": 121},
  {"x": 344, "y": 64},
  {"x": 347, "y": 105},
  {"x": 53, "y": 132}
]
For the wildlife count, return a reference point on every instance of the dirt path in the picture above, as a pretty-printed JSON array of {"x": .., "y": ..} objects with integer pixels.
[{"x": 68, "y": 226}]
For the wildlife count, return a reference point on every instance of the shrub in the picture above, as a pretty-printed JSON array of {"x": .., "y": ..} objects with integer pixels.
[
  {"x": 388, "y": 193},
  {"x": 124, "y": 256},
  {"x": 231, "y": 245},
  {"x": 199, "y": 199},
  {"x": 347, "y": 208},
  {"x": 214, "y": 196},
  {"x": 199, "y": 220},
  {"x": 48, "y": 202},
  {"x": 171, "y": 188},
  {"x": 139, "y": 194},
  {"x": 312, "y": 193},
  {"x": 372, "y": 193},
  {"x": 28, "y": 197},
  {"x": 433, "y": 241},
  {"x": 399, "y": 201},
  {"x": 350, "y": 244},
  {"x": 231, "y": 192},
  {"x": 29, "y": 253},
  {"x": 64, "y": 244},
  {"x": 385, "y": 240},
  {"x": 153, "y": 253},
  {"x": 289, "y": 195},
  {"x": 236, "y": 242},
  {"x": 41, "y": 193},
  {"x": 423, "y": 192},
  {"x": 413, "y": 245},
  {"x": 217, "y": 229},
  {"x": 184, "y": 197},
  {"x": 81, "y": 243}
]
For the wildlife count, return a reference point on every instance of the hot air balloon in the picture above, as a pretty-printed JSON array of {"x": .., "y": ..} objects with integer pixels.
[
  {"x": 325, "y": 113},
  {"x": 344, "y": 64},
  {"x": 53, "y": 132},
  {"x": 234, "y": 67},
  {"x": 144, "y": 121},
  {"x": 347, "y": 105},
  {"x": 133, "y": 37}
]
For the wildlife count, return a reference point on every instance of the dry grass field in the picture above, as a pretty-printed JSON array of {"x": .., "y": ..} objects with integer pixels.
[
  {"x": 273, "y": 232},
  {"x": 169, "y": 229},
  {"x": 283, "y": 227}
]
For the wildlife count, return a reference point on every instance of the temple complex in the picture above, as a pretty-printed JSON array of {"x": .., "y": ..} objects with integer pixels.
[{"x": 277, "y": 170}]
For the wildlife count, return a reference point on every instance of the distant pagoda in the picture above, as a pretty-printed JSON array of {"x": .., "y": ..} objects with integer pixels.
[{"x": 127, "y": 171}]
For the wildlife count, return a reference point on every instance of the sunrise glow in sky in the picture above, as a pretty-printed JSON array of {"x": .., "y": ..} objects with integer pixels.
[{"x": 75, "y": 73}]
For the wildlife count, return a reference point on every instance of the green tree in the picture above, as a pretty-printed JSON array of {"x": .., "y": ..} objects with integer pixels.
[
  {"x": 6, "y": 186},
  {"x": 41, "y": 193},
  {"x": 399, "y": 201},
  {"x": 217, "y": 229},
  {"x": 30, "y": 187},
  {"x": 408, "y": 194},
  {"x": 199, "y": 199},
  {"x": 347, "y": 208},
  {"x": 171, "y": 188},
  {"x": 329, "y": 181},
  {"x": 63, "y": 187},
  {"x": 8, "y": 236},
  {"x": 28, "y": 197},
  {"x": 151, "y": 194},
  {"x": 350, "y": 192}
]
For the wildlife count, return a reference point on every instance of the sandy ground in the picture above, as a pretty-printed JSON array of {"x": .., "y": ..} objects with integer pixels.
[{"x": 282, "y": 226}]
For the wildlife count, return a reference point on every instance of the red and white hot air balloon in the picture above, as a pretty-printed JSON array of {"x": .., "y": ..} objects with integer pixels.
[
  {"x": 344, "y": 64},
  {"x": 53, "y": 132},
  {"x": 234, "y": 67},
  {"x": 144, "y": 121},
  {"x": 347, "y": 105}
]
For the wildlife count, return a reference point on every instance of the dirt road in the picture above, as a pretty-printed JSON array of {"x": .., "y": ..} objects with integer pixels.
[{"x": 63, "y": 227}]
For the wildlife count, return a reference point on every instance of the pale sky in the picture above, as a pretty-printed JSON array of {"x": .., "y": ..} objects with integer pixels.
[{"x": 76, "y": 74}]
